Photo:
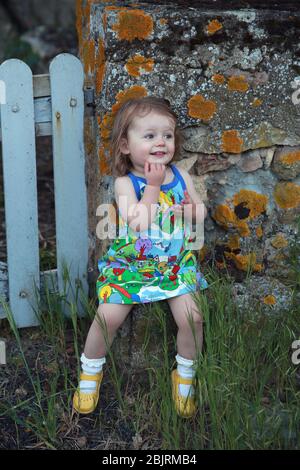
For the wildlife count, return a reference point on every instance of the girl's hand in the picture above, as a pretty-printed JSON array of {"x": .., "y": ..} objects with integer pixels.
[
  {"x": 155, "y": 173},
  {"x": 179, "y": 208},
  {"x": 187, "y": 198}
]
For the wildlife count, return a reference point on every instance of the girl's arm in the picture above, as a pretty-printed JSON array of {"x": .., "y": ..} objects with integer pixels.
[
  {"x": 199, "y": 211},
  {"x": 140, "y": 214}
]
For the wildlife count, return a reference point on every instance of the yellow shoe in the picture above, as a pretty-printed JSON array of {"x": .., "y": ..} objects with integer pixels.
[
  {"x": 86, "y": 402},
  {"x": 185, "y": 406}
]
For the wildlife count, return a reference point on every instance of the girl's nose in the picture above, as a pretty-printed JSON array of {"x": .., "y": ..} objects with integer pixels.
[{"x": 160, "y": 142}]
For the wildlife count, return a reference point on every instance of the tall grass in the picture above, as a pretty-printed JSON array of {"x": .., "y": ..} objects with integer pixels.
[{"x": 247, "y": 390}]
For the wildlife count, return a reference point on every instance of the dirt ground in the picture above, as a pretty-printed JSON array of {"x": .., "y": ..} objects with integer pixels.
[{"x": 106, "y": 428}]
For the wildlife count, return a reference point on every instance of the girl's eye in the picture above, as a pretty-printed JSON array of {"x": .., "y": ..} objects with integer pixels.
[
  {"x": 149, "y": 136},
  {"x": 169, "y": 136}
]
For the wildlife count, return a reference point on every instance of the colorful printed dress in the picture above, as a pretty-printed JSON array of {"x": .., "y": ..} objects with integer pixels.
[{"x": 154, "y": 264}]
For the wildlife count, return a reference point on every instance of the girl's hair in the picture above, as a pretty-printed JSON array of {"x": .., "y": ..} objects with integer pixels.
[{"x": 121, "y": 163}]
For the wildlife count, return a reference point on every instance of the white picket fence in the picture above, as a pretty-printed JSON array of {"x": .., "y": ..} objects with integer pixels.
[{"x": 42, "y": 105}]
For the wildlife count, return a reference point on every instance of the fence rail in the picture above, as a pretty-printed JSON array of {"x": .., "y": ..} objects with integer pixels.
[{"x": 42, "y": 105}]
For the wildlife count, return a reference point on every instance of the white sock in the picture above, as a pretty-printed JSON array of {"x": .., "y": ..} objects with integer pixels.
[
  {"x": 90, "y": 367},
  {"x": 185, "y": 370}
]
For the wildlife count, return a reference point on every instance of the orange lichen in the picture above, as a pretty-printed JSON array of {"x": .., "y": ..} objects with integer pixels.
[
  {"x": 279, "y": 241},
  {"x": 106, "y": 126},
  {"x": 213, "y": 26},
  {"x": 259, "y": 231},
  {"x": 201, "y": 108},
  {"x": 287, "y": 195},
  {"x": 133, "y": 24},
  {"x": 138, "y": 62},
  {"x": 245, "y": 262},
  {"x": 238, "y": 83},
  {"x": 234, "y": 242},
  {"x": 89, "y": 137},
  {"x": 202, "y": 253},
  {"x": 135, "y": 91},
  {"x": 88, "y": 55},
  {"x": 269, "y": 300},
  {"x": 231, "y": 141},
  {"x": 217, "y": 78},
  {"x": 247, "y": 206},
  {"x": 103, "y": 163},
  {"x": 79, "y": 22},
  {"x": 255, "y": 202},
  {"x": 224, "y": 216},
  {"x": 256, "y": 102},
  {"x": 290, "y": 158},
  {"x": 163, "y": 21},
  {"x": 100, "y": 66}
]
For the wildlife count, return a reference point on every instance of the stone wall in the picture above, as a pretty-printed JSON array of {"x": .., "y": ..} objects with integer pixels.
[{"x": 232, "y": 75}]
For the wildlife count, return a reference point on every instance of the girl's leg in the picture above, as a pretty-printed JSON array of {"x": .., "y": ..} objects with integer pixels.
[
  {"x": 189, "y": 342},
  {"x": 108, "y": 319},
  {"x": 100, "y": 337},
  {"x": 185, "y": 311}
]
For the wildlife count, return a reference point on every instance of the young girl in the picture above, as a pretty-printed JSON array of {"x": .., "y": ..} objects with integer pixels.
[{"x": 150, "y": 259}]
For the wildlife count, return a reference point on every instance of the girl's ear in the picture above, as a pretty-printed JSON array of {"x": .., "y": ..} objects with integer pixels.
[{"x": 124, "y": 146}]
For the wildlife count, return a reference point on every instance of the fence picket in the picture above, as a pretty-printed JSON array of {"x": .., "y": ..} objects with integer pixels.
[
  {"x": 20, "y": 185},
  {"x": 66, "y": 82}
]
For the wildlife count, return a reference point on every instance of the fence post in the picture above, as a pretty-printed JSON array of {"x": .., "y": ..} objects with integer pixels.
[
  {"x": 20, "y": 189},
  {"x": 66, "y": 81}
]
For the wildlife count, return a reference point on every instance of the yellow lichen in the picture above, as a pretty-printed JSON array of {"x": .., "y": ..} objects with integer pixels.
[
  {"x": 135, "y": 91},
  {"x": 245, "y": 262},
  {"x": 247, "y": 205},
  {"x": 133, "y": 24},
  {"x": 238, "y": 83},
  {"x": 234, "y": 242},
  {"x": 138, "y": 62},
  {"x": 279, "y": 241},
  {"x": 287, "y": 195},
  {"x": 259, "y": 231},
  {"x": 269, "y": 300},
  {"x": 224, "y": 216},
  {"x": 100, "y": 66},
  {"x": 103, "y": 161},
  {"x": 231, "y": 141},
  {"x": 213, "y": 26},
  {"x": 217, "y": 78},
  {"x": 256, "y": 102},
  {"x": 202, "y": 253},
  {"x": 88, "y": 53},
  {"x": 290, "y": 158},
  {"x": 201, "y": 108},
  {"x": 255, "y": 202}
]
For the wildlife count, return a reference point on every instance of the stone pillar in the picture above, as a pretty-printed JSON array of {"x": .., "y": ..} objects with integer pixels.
[{"x": 233, "y": 77}]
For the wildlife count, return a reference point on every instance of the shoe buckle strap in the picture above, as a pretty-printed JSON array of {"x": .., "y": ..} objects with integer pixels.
[{"x": 91, "y": 378}]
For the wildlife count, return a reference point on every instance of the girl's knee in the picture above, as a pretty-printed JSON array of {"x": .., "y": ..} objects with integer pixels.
[
  {"x": 113, "y": 315},
  {"x": 193, "y": 318}
]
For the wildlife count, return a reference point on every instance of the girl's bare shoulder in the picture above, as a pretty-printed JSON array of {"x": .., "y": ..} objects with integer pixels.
[{"x": 123, "y": 185}]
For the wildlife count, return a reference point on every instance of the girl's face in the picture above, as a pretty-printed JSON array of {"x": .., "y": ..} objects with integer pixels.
[{"x": 150, "y": 138}]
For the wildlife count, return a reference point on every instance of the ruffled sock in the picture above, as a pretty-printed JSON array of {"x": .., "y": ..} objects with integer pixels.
[
  {"x": 90, "y": 367},
  {"x": 186, "y": 370}
]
